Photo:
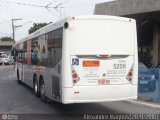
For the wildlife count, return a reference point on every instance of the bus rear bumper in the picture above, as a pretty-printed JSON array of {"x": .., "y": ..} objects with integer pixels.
[{"x": 91, "y": 94}]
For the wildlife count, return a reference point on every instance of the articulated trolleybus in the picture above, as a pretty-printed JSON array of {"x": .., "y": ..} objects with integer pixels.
[{"x": 81, "y": 59}]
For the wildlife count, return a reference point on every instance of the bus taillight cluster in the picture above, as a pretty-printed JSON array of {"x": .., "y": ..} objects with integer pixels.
[
  {"x": 75, "y": 77},
  {"x": 130, "y": 74}
]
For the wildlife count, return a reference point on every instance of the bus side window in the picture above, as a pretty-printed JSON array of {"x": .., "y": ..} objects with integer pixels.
[
  {"x": 19, "y": 57},
  {"x": 34, "y": 57},
  {"x": 54, "y": 40},
  {"x": 25, "y": 57},
  {"x": 51, "y": 58}
]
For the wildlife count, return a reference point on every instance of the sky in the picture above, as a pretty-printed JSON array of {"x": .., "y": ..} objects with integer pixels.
[{"x": 34, "y": 11}]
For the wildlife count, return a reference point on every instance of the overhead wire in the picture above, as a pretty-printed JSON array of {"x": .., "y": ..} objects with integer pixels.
[
  {"x": 7, "y": 8},
  {"x": 4, "y": 11},
  {"x": 41, "y": 6},
  {"x": 37, "y": 5},
  {"x": 5, "y": 33},
  {"x": 10, "y": 33},
  {"x": 2, "y": 17},
  {"x": 4, "y": 22},
  {"x": 10, "y": 7},
  {"x": 11, "y": 12},
  {"x": 59, "y": 6},
  {"x": 30, "y": 5},
  {"x": 51, "y": 12},
  {"x": 46, "y": 6},
  {"x": 65, "y": 1}
]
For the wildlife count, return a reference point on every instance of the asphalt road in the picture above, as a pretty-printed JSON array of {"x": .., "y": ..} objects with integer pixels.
[{"x": 16, "y": 99}]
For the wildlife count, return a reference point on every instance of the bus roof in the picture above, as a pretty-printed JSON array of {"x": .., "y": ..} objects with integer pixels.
[
  {"x": 43, "y": 30},
  {"x": 56, "y": 25}
]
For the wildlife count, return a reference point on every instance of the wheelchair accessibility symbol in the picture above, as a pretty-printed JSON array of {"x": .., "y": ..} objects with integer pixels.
[{"x": 75, "y": 61}]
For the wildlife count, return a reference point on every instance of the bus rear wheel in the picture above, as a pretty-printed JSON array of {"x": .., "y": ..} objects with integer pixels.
[
  {"x": 18, "y": 79},
  {"x": 36, "y": 87},
  {"x": 42, "y": 91}
]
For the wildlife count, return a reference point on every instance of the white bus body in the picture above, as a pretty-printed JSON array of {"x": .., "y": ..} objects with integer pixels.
[{"x": 81, "y": 59}]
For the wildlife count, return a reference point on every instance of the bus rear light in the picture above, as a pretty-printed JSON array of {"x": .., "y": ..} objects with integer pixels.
[
  {"x": 130, "y": 79},
  {"x": 74, "y": 81},
  {"x": 75, "y": 77},
  {"x": 130, "y": 74}
]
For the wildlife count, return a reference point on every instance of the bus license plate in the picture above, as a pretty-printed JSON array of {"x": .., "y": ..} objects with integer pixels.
[
  {"x": 143, "y": 82},
  {"x": 103, "y": 82}
]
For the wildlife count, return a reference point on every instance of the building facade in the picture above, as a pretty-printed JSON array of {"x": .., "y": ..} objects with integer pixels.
[
  {"x": 6, "y": 46},
  {"x": 147, "y": 15}
]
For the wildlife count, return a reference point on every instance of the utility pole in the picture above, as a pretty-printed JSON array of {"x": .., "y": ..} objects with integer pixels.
[{"x": 14, "y": 27}]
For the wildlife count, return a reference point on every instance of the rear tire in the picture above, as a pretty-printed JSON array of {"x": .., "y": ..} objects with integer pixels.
[
  {"x": 18, "y": 77},
  {"x": 36, "y": 87},
  {"x": 42, "y": 91}
]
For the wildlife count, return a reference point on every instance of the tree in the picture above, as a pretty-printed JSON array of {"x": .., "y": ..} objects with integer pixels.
[
  {"x": 36, "y": 26},
  {"x": 4, "y": 39}
]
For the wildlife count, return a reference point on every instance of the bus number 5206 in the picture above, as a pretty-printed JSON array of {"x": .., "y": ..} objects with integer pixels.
[{"x": 119, "y": 66}]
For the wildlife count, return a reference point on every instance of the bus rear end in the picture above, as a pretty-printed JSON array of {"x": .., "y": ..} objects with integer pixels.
[{"x": 99, "y": 60}]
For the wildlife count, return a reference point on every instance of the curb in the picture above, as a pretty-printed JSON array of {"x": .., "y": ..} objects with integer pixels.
[{"x": 149, "y": 104}]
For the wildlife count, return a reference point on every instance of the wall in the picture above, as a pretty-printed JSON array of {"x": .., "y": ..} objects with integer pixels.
[{"x": 127, "y": 7}]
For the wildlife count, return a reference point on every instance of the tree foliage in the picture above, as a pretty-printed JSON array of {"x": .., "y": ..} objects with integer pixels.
[
  {"x": 36, "y": 26},
  {"x": 4, "y": 39}
]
